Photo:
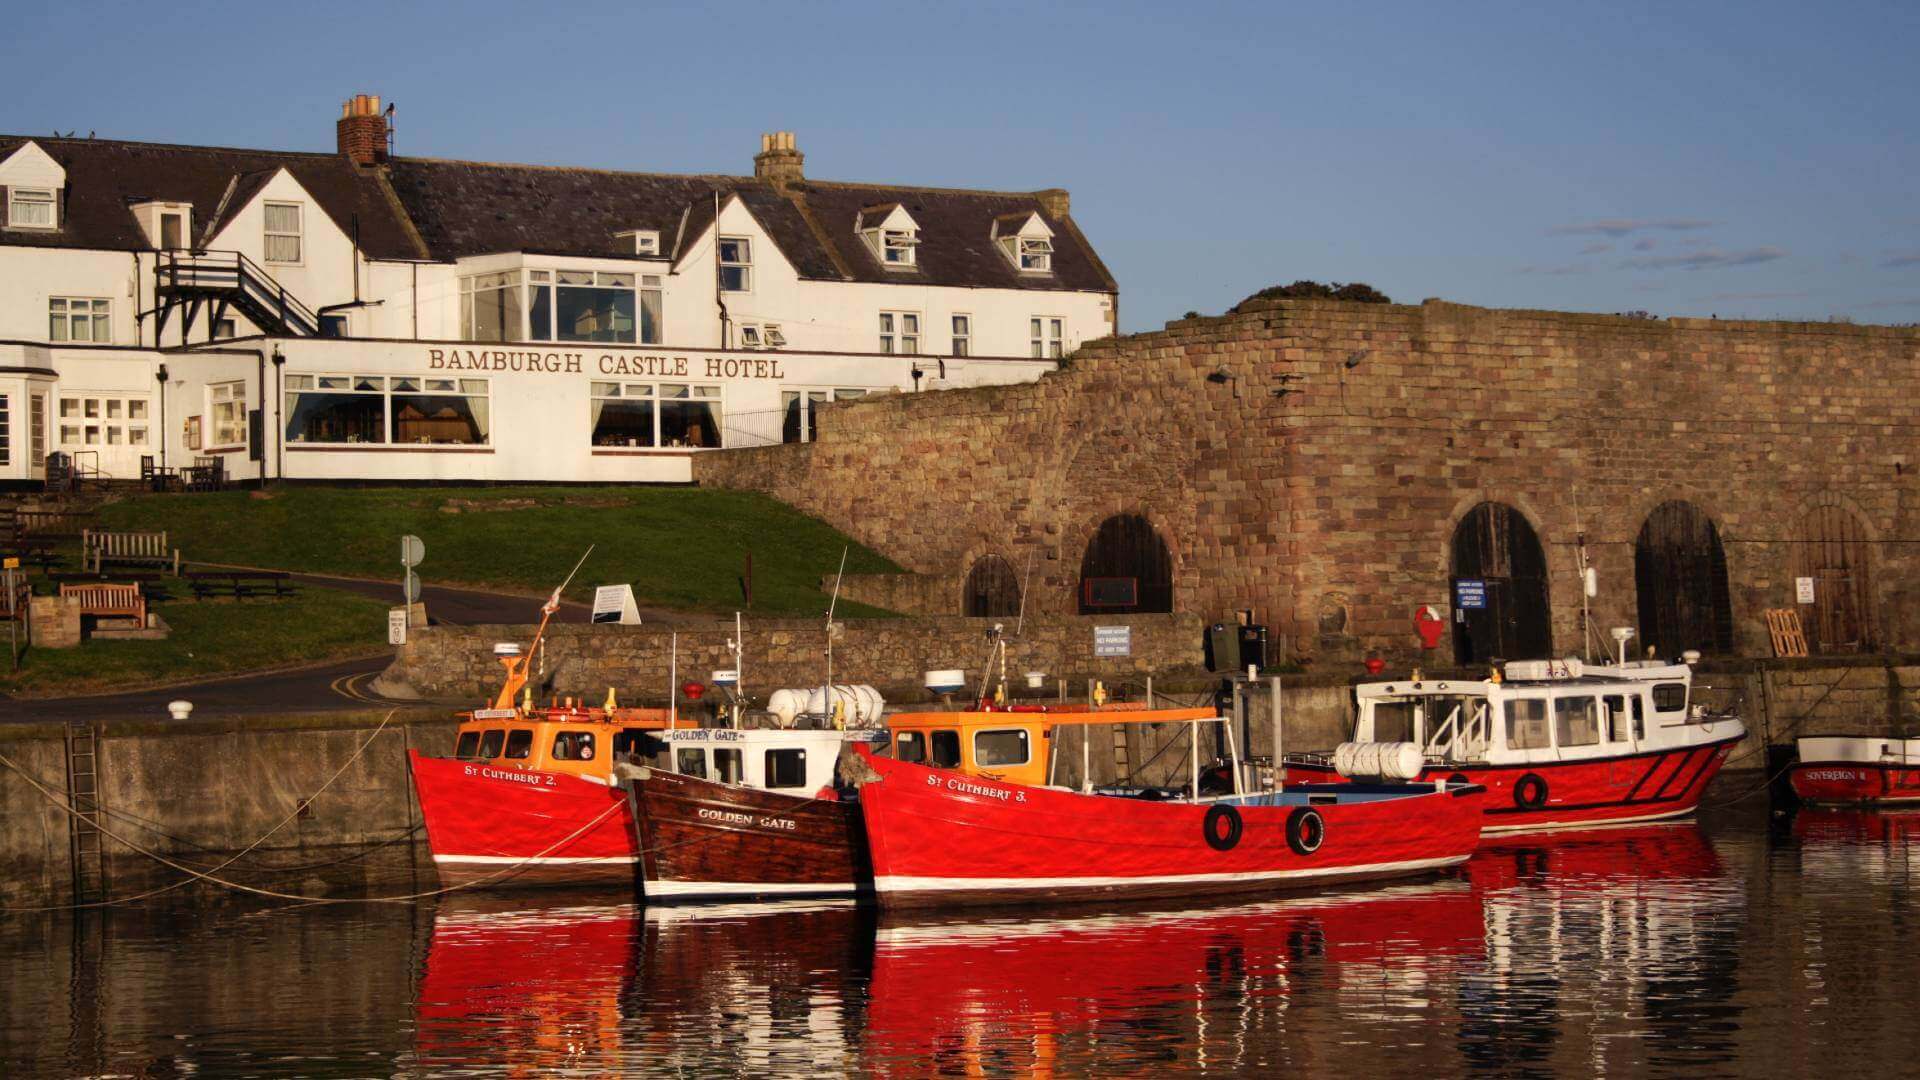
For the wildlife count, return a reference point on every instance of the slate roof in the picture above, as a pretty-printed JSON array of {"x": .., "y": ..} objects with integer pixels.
[
  {"x": 105, "y": 176},
  {"x": 422, "y": 208}
]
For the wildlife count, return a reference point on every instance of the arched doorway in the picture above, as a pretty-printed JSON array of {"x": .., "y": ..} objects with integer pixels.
[
  {"x": 1499, "y": 588},
  {"x": 992, "y": 589},
  {"x": 1680, "y": 572},
  {"x": 1126, "y": 569},
  {"x": 1833, "y": 552}
]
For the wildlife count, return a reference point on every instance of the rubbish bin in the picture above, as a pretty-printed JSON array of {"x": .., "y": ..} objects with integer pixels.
[
  {"x": 1252, "y": 646},
  {"x": 1223, "y": 647}
]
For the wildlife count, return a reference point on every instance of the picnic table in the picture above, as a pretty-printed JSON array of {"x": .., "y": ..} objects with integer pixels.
[{"x": 239, "y": 584}]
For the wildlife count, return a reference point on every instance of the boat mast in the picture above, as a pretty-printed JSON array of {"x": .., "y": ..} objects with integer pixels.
[{"x": 826, "y": 698}]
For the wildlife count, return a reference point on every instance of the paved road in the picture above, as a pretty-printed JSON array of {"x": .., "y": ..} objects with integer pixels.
[{"x": 331, "y": 688}]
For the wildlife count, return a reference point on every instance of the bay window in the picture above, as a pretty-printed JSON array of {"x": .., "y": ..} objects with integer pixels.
[
  {"x": 6, "y": 430},
  {"x": 37, "y": 429},
  {"x": 490, "y": 307},
  {"x": 401, "y": 410},
  {"x": 655, "y": 415},
  {"x": 561, "y": 305}
]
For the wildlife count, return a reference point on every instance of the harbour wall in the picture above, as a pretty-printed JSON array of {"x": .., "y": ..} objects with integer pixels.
[{"x": 194, "y": 790}]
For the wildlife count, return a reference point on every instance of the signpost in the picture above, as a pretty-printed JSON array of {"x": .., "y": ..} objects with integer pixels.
[
  {"x": 614, "y": 604},
  {"x": 1112, "y": 641},
  {"x": 412, "y": 551}
]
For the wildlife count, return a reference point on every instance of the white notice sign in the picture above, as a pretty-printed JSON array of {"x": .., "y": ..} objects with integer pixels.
[
  {"x": 397, "y": 626},
  {"x": 614, "y": 604},
  {"x": 1803, "y": 589},
  {"x": 1113, "y": 641}
]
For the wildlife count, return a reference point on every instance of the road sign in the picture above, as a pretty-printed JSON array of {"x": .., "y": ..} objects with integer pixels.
[
  {"x": 614, "y": 604},
  {"x": 12, "y": 563},
  {"x": 397, "y": 626},
  {"x": 411, "y": 588},
  {"x": 1113, "y": 641},
  {"x": 1470, "y": 593},
  {"x": 412, "y": 550}
]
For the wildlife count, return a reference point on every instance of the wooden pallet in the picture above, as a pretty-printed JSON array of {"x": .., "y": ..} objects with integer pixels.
[{"x": 1789, "y": 638}]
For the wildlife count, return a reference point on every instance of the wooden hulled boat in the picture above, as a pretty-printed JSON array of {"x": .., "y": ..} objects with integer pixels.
[
  {"x": 1557, "y": 744},
  {"x": 1857, "y": 771},
  {"x": 938, "y": 837}
]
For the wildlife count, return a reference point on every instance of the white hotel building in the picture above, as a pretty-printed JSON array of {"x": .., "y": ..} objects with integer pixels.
[{"x": 359, "y": 315}]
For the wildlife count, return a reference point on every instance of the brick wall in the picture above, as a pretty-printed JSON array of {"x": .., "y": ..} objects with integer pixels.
[
  {"x": 456, "y": 662},
  {"x": 1329, "y": 510}
]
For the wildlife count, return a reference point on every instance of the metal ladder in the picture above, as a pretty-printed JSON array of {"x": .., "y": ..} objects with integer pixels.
[{"x": 83, "y": 827}]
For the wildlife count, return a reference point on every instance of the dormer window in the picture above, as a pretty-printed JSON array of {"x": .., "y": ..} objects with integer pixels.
[
  {"x": 891, "y": 234},
  {"x": 31, "y": 208},
  {"x": 896, "y": 246},
  {"x": 1026, "y": 242},
  {"x": 1036, "y": 256},
  {"x": 642, "y": 241}
]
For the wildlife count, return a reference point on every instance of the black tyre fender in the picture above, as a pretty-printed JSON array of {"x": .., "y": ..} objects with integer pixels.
[
  {"x": 1306, "y": 830},
  {"x": 1458, "y": 779},
  {"x": 1210, "y": 827},
  {"x": 1530, "y": 792}
]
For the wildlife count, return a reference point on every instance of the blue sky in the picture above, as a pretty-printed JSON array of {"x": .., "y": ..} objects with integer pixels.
[{"x": 1747, "y": 160}]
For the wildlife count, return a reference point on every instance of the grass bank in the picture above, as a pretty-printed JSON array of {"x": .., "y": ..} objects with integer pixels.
[
  {"x": 683, "y": 548},
  {"x": 210, "y": 637}
]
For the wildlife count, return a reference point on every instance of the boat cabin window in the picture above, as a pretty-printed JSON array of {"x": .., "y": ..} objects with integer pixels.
[
  {"x": 1670, "y": 697},
  {"x": 1002, "y": 747},
  {"x": 786, "y": 768},
  {"x": 1576, "y": 721},
  {"x": 468, "y": 746},
  {"x": 911, "y": 746},
  {"x": 728, "y": 766},
  {"x": 1393, "y": 721},
  {"x": 519, "y": 742},
  {"x": 490, "y": 744},
  {"x": 946, "y": 749},
  {"x": 690, "y": 761},
  {"x": 636, "y": 743},
  {"x": 1621, "y": 710},
  {"x": 1527, "y": 724},
  {"x": 573, "y": 746}
]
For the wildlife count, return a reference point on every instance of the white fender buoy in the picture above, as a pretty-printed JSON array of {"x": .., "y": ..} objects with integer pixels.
[{"x": 1378, "y": 760}]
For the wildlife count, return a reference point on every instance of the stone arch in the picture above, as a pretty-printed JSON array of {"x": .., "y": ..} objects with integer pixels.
[
  {"x": 1832, "y": 546},
  {"x": 1506, "y": 615},
  {"x": 992, "y": 588},
  {"x": 1126, "y": 567},
  {"x": 1680, "y": 576}
]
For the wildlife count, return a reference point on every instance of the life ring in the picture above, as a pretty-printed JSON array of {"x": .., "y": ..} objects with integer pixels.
[
  {"x": 1458, "y": 779},
  {"x": 1306, "y": 830},
  {"x": 1210, "y": 827},
  {"x": 1530, "y": 792}
]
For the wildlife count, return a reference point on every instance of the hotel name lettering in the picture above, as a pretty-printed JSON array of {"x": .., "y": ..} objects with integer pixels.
[{"x": 573, "y": 363}]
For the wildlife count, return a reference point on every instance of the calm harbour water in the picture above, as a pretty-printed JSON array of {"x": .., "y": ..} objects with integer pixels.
[{"x": 1743, "y": 945}]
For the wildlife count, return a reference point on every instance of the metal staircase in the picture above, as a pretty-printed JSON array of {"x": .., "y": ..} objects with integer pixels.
[
  {"x": 221, "y": 280},
  {"x": 83, "y": 827}
]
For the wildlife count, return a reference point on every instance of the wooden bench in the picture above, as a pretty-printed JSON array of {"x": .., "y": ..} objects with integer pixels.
[
  {"x": 128, "y": 549},
  {"x": 44, "y": 524},
  {"x": 110, "y": 600},
  {"x": 239, "y": 584}
]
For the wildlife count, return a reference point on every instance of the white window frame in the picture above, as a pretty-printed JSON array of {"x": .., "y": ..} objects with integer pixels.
[
  {"x": 900, "y": 333},
  {"x": 1046, "y": 336},
  {"x": 750, "y": 336},
  {"x": 98, "y": 413},
  {"x": 961, "y": 325},
  {"x": 895, "y": 248},
  {"x": 17, "y": 197},
  {"x": 162, "y": 215},
  {"x": 1035, "y": 255},
  {"x": 805, "y": 399},
  {"x": 227, "y": 415},
  {"x": 39, "y": 426},
  {"x": 774, "y": 337},
  {"x": 744, "y": 263},
  {"x": 98, "y": 317},
  {"x": 298, "y": 234},
  {"x": 6, "y": 430}
]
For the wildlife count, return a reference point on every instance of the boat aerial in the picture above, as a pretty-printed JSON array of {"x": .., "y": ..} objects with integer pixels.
[
  {"x": 1856, "y": 771},
  {"x": 1557, "y": 743}
]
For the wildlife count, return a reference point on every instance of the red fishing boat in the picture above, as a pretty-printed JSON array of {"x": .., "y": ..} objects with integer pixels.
[
  {"x": 1860, "y": 771},
  {"x": 942, "y": 837},
  {"x": 1556, "y": 743}
]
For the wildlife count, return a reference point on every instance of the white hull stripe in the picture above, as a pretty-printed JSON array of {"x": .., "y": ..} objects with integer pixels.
[
  {"x": 902, "y": 883},
  {"x": 549, "y": 860},
  {"x": 746, "y": 888},
  {"x": 1601, "y": 823}
]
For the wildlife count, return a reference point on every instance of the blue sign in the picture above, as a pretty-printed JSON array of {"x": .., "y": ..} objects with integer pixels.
[{"x": 1470, "y": 593}]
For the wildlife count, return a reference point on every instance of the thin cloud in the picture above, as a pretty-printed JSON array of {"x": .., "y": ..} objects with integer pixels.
[
  {"x": 1619, "y": 227},
  {"x": 1754, "y": 296},
  {"x": 1912, "y": 301},
  {"x": 1596, "y": 249},
  {"x": 1707, "y": 259},
  {"x": 1558, "y": 271},
  {"x": 1645, "y": 243},
  {"x": 1647, "y": 287},
  {"x": 1901, "y": 259}
]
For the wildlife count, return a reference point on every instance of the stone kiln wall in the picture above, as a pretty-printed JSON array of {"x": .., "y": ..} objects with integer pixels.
[
  {"x": 456, "y": 662},
  {"x": 1324, "y": 497}
]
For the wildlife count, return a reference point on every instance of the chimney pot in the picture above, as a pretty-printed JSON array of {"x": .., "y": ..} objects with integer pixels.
[
  {"x": 779, "y": 161},
  {"x": 361, "y": 132}
]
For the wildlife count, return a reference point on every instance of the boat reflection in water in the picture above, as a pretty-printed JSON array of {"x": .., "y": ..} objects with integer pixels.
[
  {"x": 1597, "y": 950},
  {"x": 1859, "y": 846}
]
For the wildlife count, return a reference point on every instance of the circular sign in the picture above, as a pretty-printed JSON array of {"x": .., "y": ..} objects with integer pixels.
[
  {"x": 412, "y": 550},
  {"x": 413, "y": 587}
]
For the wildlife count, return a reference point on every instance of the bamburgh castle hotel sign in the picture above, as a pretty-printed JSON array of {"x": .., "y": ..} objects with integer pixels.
[{"x": 574, "y": 363}]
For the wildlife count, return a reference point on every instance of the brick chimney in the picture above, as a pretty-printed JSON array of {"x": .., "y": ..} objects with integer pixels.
[
  {"x": 778, "y": 162},
  {"x": 1054, "y": 201},
  {"x": 362, "y": 131}
]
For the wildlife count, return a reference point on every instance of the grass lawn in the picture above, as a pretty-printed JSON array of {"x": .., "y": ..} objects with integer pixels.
[
  {"x": 681, "y": 548},
  {"x": 210, "y": 637}
]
